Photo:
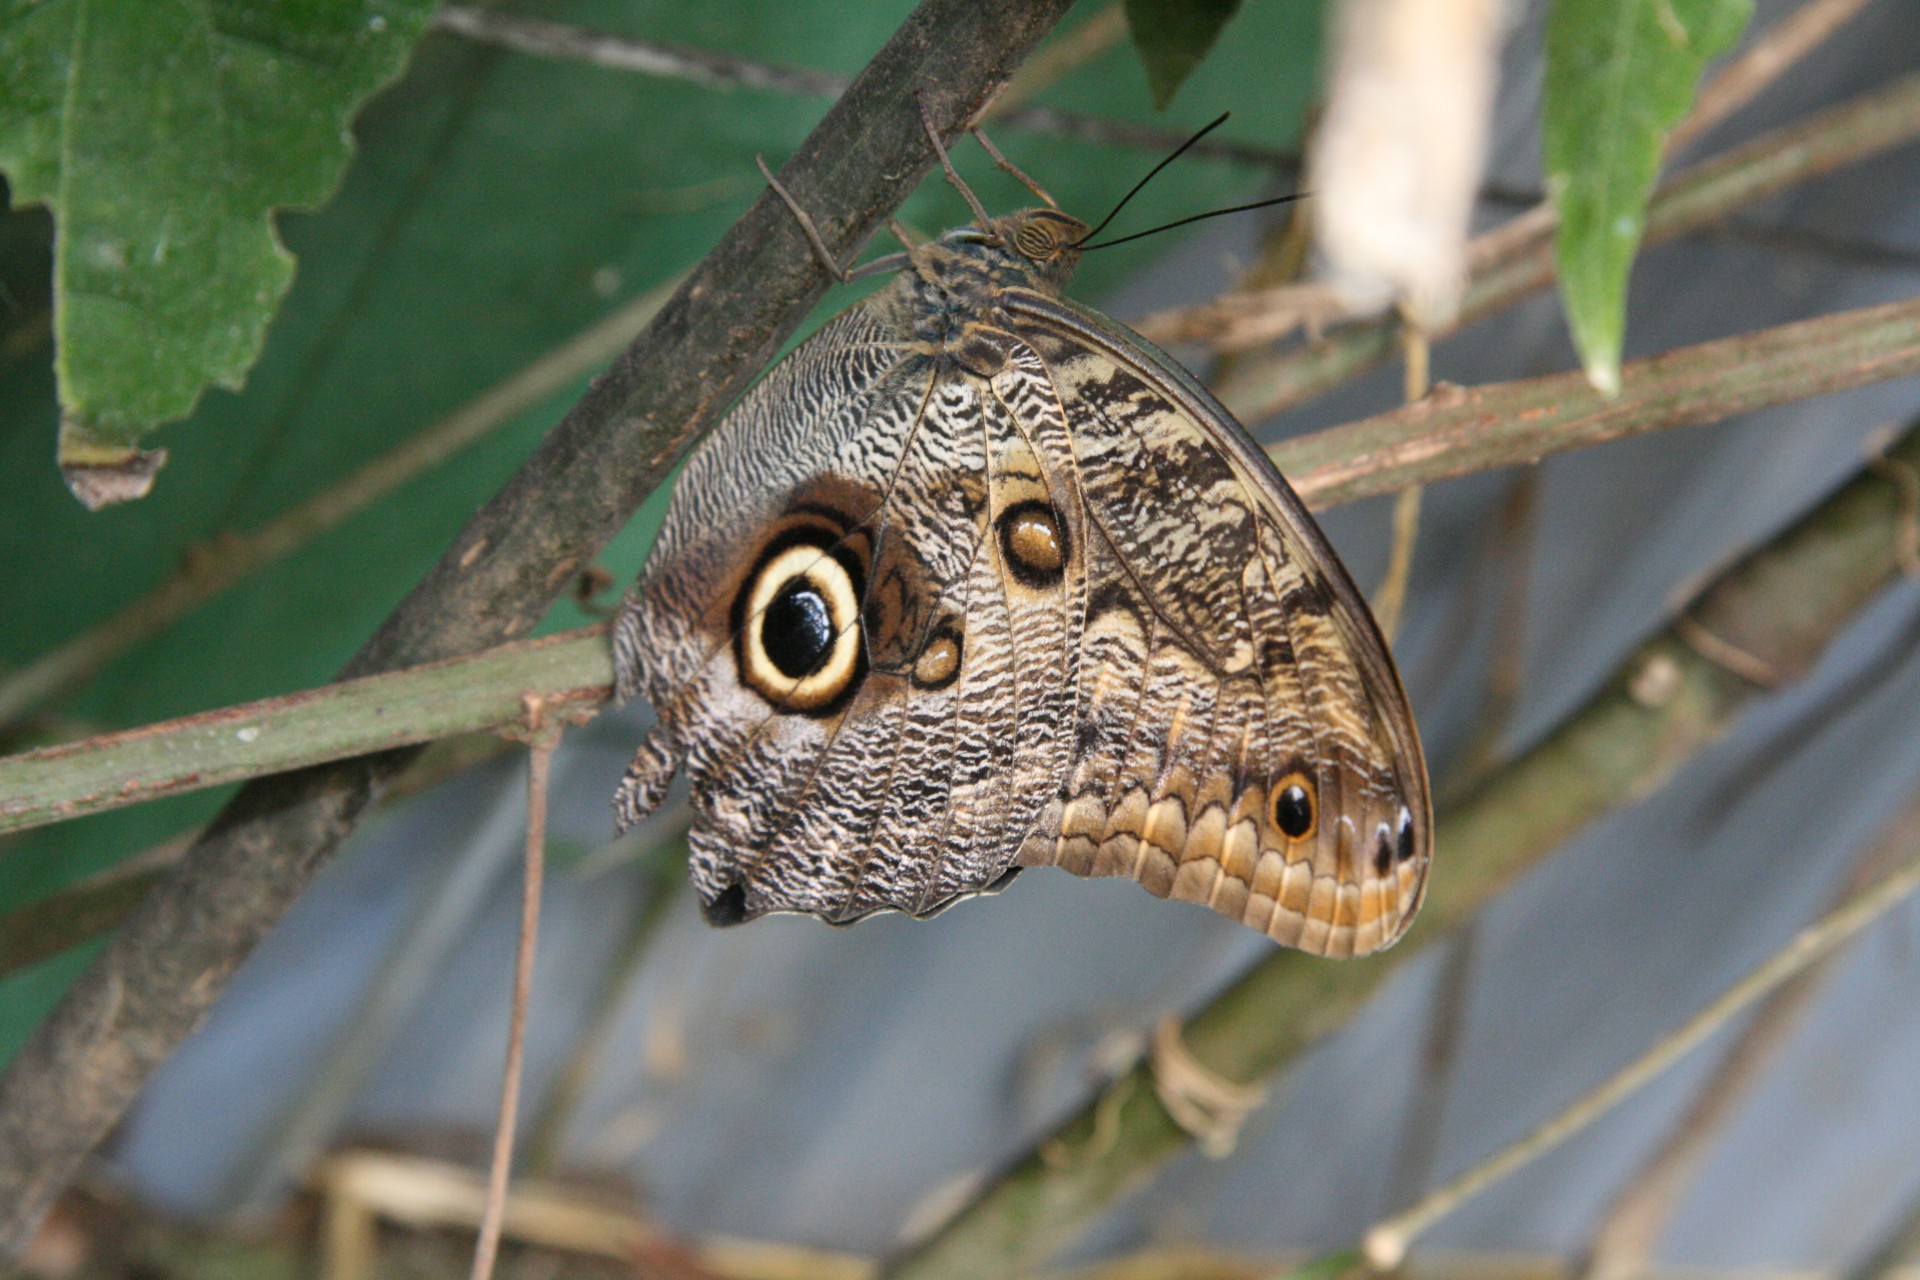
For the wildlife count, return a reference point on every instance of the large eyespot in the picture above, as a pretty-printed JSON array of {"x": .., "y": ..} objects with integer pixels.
[
  {"x": 1033, "y": 543},
  {"x": 798, "y": 626},
  {"x": 1294, "y": 810}
]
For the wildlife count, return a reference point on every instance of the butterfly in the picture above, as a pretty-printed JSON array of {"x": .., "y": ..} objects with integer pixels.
[{"x": 978, "y": 579}]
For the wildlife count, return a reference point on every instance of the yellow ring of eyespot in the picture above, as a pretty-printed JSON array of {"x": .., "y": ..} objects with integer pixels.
[
  {"x": 830, "y": 679},
  {"x": 1302, "y": 781}
]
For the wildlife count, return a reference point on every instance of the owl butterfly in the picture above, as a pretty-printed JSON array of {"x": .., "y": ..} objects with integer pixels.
[{"x": 977, "y": 579}]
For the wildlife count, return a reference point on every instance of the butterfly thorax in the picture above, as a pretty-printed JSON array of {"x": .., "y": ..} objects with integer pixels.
[{"x": 948, "y": 300}]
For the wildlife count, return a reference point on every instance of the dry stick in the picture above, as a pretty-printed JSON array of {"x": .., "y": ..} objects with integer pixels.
[
  {"x": 542, "y": 739},
  {"x": 1391, "y": 598},
  {"x": 156, "y": 980},
  {"x": 1785, "y": 601},
  {"x": 1386, "y": 1243},
  {"x": 544, "y": 39},
  {"x": 1444, "y": 435},
  {"x": 1621, "y": 1247},
  {"x": 229, "y": 558},
  {"x": 1260, "y": 387}
]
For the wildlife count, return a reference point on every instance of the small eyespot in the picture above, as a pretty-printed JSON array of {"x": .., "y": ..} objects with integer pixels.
[
  {"x": 798, "y": 643},
  {"x": 1033, "y": 543},
  {"x": 1383, "y": 851},
  {"x": 1293, "y": 807},
  {"x": 939, "y": 661},
  {"x": 1404, "y": 851}
]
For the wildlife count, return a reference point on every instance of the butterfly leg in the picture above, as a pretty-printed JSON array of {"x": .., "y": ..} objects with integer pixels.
[
  {"x": 1009, "y": 166},
  {"x": 845, "y": 275},
  {"x": 982, "y": 219}
]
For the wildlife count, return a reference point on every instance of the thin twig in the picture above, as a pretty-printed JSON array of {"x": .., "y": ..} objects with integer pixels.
[
  {"x": 543, "y": 39},
  {"x": 1011, "y": 109},
  {"x": 1391, "y": 598},
  {"x": 1622, "y": 1245},
  {"x": 542, "y": 741},
  {"x": 1386, "y": 1243},
  {"x": 152, "y": 984}
]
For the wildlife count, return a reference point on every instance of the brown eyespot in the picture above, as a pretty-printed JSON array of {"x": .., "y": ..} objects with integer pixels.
[
  {"x": 798, "y": 630},
  {"x": 1033, "y": 543},
  {"x": 1294, "y": 810},
  {"x": 939, "y": 661}
]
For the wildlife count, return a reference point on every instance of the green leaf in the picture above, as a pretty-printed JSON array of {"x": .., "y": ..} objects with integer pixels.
[
  {"x": 163, "y": 134},
  {"x": 1171, "y": 36},
  {"x": 1620, "y": 76}
]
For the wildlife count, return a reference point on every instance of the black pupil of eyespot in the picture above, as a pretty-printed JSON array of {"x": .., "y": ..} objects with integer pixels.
[
  {"x": 797, "y": 631},
  {"x": 1294, "y": 811},
  {"x": 1406, "y": 838}
]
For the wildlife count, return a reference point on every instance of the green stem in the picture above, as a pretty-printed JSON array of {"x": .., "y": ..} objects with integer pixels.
[{"x": 569, "y": 674}]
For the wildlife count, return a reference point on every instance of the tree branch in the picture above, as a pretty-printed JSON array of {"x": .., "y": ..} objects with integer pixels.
[
  {"x": 153, "y": 984},
  {"x": 571, "y": 673},
  {"x": 1781, "y": 605}
]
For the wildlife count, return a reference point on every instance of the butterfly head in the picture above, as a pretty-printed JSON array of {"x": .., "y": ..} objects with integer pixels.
[{"x": 1038, "y": 248}]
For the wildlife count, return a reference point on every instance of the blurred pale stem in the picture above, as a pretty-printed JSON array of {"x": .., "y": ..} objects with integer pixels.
[{"x": 1400, "y": 150}]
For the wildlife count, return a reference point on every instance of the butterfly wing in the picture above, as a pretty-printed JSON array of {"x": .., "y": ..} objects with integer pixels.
[
  {"x": 860, "y": 467},
  {"x": 917, "y": 619},
  {"x": 1243, "y": 738}
]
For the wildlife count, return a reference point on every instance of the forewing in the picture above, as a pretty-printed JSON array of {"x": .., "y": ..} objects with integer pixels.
[
  {"x": 1229, "y": 669},
  {"x": 915, "y": 786}
]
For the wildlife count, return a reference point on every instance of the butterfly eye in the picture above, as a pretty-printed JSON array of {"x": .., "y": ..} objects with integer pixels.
[
  {"x": 1033, "y": 543},
  {"x": 1036, "y": 242},
  {"x": 799, "y": 645},
  {"x": 1293, "y": 810}
]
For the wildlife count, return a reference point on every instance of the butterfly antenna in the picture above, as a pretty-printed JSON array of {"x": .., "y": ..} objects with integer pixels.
[
  {"x": 1084, "y": 247},
  {"x": 946, "y": 162},
  {"x": 1149, "y": 178}
]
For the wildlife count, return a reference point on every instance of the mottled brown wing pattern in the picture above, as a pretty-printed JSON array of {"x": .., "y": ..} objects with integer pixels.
[
  {"x": 915, "y": 788},
  {"x": 1229, "y": 669},
  {"x": 976, "y": 579}
]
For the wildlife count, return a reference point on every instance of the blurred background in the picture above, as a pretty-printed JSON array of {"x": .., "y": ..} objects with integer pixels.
[{"x": 836, "y": 1088}]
